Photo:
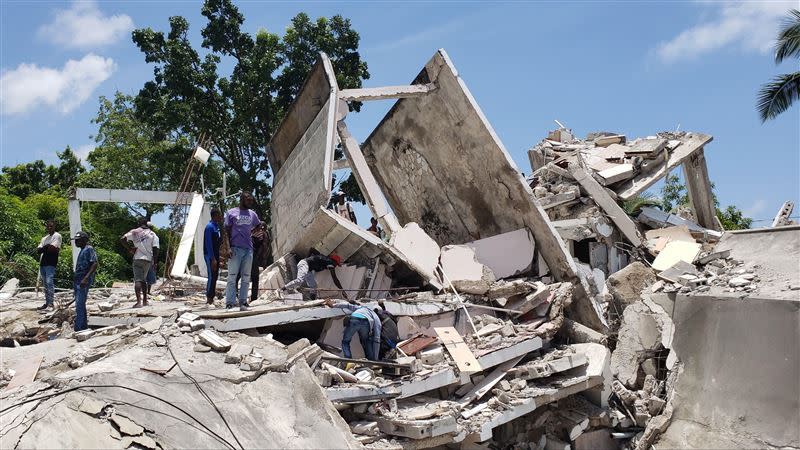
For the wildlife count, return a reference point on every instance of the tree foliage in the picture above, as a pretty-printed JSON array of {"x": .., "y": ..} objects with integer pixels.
[
  {"x": 35, "y": 177},
  {"x": 128, "y": 156},
  {"x": 674, "y": 194},
  {"x": 778, "y": 95},
  {"x": 188, "y": 96}
]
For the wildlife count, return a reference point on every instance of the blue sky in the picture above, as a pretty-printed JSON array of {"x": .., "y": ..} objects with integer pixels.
[{"x": 631, "y": 67}]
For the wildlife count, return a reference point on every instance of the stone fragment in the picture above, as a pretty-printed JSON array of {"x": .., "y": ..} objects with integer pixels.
[
  {"x": 251, "y": 363},
  {"x": 140, "y": 441},
  {"x": 126, "y": 426},
  {"x": 297, "y": 346},
  {"x": 237, "y": 352},
  {"x": 214, "y": 341},
  {"x": 639, "y": 336},
  {"x": 105, "y": 306},
  {"x": 91, "y": 406},
  {"x": 626, "y": 285},
  {"x": 201, "y": 348},
  {"x": 467, "y": 275}
]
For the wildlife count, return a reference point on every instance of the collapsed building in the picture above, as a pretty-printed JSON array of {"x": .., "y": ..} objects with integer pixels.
[{"x": 533, "y": 312}]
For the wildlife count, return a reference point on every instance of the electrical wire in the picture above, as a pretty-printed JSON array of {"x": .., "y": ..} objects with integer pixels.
[
  {"x": 203, "y": 393},
  {"x": 94, "y": 386}
]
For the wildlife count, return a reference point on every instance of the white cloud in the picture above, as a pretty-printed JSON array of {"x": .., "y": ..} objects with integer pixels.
[
  {"x": 84, "y": 26},
  {"x": 30, "y": 86},
  {"x": 748, "y": 26},
  {"x": 83, "y": 151}
]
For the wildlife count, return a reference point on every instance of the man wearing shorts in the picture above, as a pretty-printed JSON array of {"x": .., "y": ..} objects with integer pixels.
[{"x": 139, "y": 242}]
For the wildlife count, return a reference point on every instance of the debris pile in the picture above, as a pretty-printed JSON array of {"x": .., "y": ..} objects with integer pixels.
[{"x": 530, "y": 313}]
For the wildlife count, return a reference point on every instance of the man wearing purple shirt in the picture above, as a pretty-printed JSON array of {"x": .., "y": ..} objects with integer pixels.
[{"x": 239, "y": 222}]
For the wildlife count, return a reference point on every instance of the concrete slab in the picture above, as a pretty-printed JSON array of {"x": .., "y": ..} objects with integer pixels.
[
  {"x": 506, "y": 254},
  {"x": 441, "y": 165},
  {"x": 302, "y": 156},
  {"x": 737, "y": 383}
]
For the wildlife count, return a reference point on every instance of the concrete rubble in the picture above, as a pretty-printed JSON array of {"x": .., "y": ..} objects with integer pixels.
[{"x": 532, "y": 313}]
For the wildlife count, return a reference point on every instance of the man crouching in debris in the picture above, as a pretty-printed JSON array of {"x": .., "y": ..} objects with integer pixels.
[
  {"x": 364, "y": 321},
  {"x": 306, "y": 269},
  {"x": 85, "y": 268}
]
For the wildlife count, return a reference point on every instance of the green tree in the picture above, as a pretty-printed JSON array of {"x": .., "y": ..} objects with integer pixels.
[
  {"x": 128, "y": 157},
  {"x": 188, "y": 97},
  {"x": 35, "y": 177},
  {"x": 778, "y": 95},
  {"x": 674, "y": 194}
]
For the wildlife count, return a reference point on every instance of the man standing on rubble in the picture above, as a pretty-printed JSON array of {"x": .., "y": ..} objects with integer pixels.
[
  {"x": 362, "y": 321},
  {"x": 139, "y": 242},
  {"x": 48, "y": 250},
  {"x": 151, "y": 274},
  {"x": 239, "y": 224},
  {"x": 306, "y": 269},
  {"x": 211, "y": 243},
  {"x": 85, "y": 268}
]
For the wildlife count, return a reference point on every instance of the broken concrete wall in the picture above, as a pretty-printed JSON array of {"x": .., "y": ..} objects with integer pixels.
[
  {"x": 507, "y": 254},
  {"x": 303, "y": 149},
  {"x": 440, "y": 164},
  {"x": 740, "y": 383}
]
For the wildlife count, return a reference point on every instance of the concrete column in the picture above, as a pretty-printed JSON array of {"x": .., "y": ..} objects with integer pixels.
[
  {"x": 366, "y": 181},
  {"x": 699, "y": 187},
  {"x": 74, "y": 213}
]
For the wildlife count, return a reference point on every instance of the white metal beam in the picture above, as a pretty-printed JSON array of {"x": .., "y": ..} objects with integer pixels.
[
  {"x": 189, "y": 230},
  {"x": 74, "y": 213},
  {"x": 386, "y": 92},
  {"x": 132, "y": 196}
]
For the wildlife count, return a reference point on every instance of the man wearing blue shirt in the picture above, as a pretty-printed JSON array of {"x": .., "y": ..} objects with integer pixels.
[
  {"x": 85, "y": 268},
  {"x": 366, "y": 323},
  {"x": 211, "y": 242}
]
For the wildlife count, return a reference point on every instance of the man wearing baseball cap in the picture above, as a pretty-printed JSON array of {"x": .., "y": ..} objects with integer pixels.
[
  {"x": 85, "y": 268},
  {"x": 315, "y": 263}
]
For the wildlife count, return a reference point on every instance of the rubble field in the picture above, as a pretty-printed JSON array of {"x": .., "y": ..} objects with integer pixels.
[{"x": 533, "y": 312}]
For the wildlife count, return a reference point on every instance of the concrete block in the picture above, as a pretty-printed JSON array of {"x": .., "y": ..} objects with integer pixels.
[
  {"x": 506, "y": 254},
  {"x": 461, "y": 266},
  {"x": 237, "y": 352},
  {"x": 615, "y": 174},
  {"x": 418, "y": 429},
  {"x": 213, "y": 340},
  {"x": 416, "y": 245},
  {"x": 432, "y": 356}
]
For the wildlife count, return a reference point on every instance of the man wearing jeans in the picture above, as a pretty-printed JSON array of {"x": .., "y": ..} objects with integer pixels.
[
  {"x": 364, "y": 322},
  {"x": 85, "y": 268},
  {"x": 239, "y": 223},
  {"x": 48, "y": 250},
  {"x": 211, "y": 243}
]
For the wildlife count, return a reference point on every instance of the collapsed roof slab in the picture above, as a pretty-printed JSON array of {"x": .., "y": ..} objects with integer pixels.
[
  {"x": 440, "y": 164},
  {"x": 301, "y": 155}
]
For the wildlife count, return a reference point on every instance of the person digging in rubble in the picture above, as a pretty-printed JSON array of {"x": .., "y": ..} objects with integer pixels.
[
  {"x": 85, "y": 268},
  {"x": 139, "y": 243},
  {"x": 306, "y": 269},
  {"x": 151, "y": 274},
  {"x": 363, "y": 321},
  {"x": 239, "y": 224},
  {"x": 48, "y": 250},
  {"x": 211, "y": 244}
]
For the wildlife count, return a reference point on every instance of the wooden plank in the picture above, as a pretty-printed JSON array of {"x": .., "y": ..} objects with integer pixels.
[
  {"x": 690, "y": 144},
  {"x": 458, "y": 349},
  {"x": 386, "y": 92},
  {"x": 415, "y": 344},
  {"x": 25, "y": 372},
  {"x": 698, "y": 185},
  {"x": 486, "y": 385},
  {"x": 604, "y": 201}
]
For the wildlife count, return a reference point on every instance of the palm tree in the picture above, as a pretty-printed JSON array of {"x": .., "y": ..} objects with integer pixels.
[{"x": 777, "y": 96}]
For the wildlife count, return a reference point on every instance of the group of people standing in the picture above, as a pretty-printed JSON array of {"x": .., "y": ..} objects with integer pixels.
[{"x": 246, "y": 238}]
